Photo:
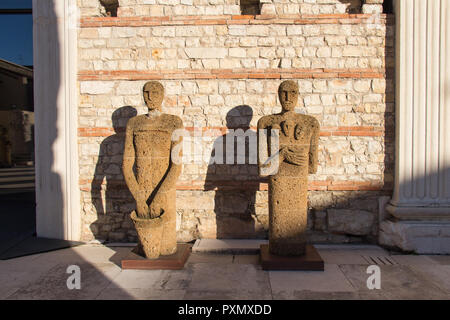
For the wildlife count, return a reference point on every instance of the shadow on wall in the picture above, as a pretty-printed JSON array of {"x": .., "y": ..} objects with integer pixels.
[
  {"x": 114, "y": 201},
  {"x": 235, "y": 184}
]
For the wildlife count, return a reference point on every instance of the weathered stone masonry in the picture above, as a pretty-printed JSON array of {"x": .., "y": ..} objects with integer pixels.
[{"x": 213, "y": 63}]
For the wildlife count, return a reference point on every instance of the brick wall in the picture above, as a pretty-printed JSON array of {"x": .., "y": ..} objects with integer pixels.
[{"x": 222, "y": 71}]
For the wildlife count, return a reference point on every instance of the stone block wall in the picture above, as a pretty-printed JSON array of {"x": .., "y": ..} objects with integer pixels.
[
  {"x": 159, "y": 8},
  {"x": 222, "y": 71}
]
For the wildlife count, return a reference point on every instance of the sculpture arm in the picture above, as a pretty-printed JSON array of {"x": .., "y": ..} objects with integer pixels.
[
  {"x": 174, "y": 170},
  {"x": 175, "y": 165},
  {"x": 128, "y": 162},
  {"x": 263, "y": 152},
  {"x": 314, "y": 148}
]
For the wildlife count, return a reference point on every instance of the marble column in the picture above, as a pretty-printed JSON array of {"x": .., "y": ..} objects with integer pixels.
[
  {"x": 420, "y": 206},
  {"x": 55, "y": 102}
]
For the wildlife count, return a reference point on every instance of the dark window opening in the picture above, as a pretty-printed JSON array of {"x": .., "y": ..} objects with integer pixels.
[
  {"x": 388, "y": 6},
  {"x": 250, "y": 7},
  {"x": 110, "y": 6},
  {"x": 353, "y": 6}
]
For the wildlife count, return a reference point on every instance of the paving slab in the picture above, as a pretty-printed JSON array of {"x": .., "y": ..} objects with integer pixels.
[
  {"x": 310, "y": 295},
  {"x": 246, "y": 259},
  {"x": 437, "y": 274},
  {"x": 53, "y": 284},
  {"x": 341, "y": 257},
  {"x": 84, "y": 254},
  {"x": 412, "y": 260},
  {"x": 177, "y": 279},
  {"x": 330, "y": 280},
  {"x": 229, "y": 277},
  {"x": 397, "y": 282},
  {"x": 13, "y": 281},
  {"x": 209, "y": 258},
  {"x": 18, "y": 264},
  {"x": 352, "y": 254},
  {"x": 135, "y": 279},
  {"x": 350, "y": 247},
  {"x": 228, "y": 246},
  {"x": 225, "y": 276},
  {"x": 140, "y": 294},
  {"x": 20, "y": 272},
  {"x": 228, "y": 295},
  {"x": 95, "y": 254},
  {"x": 444, "y": 260},
  {"x": 121, "y": 244}
]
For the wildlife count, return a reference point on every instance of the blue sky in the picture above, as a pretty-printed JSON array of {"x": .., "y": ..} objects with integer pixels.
[{"x": 16, "y": 33}]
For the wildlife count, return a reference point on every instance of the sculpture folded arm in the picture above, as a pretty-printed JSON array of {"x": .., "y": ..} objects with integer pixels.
[
  {"x": 170, "y": 178},
  {"x": 128, "y": 162},
  {"x": 263, "y": 150},
  {"x": 293, "y": 155}
]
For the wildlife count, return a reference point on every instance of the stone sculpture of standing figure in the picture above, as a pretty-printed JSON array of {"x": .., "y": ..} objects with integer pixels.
[
  {"x": 148, "y": 147},
  {"x": 288, "y": 187}
]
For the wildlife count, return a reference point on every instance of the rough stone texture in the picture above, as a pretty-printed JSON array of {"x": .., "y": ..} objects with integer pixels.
[
  {"x": 354, "y": 222},
  {"x": 297, "y": 155},
  {"x": 418, "y": 237},
  {"x": 355, "y": 111},
  {"x": 217, "y": 7},
  {"x": 273, "y": 46},
  {"x": 148, "y": 147}
]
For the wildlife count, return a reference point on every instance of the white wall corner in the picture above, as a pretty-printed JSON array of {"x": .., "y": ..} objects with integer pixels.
[{"x": 55, "y": 91}]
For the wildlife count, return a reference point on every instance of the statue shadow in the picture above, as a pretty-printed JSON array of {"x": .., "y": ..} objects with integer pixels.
[
  {"x": 235, "y": 184},
  {"x": 112, "y": 201}
]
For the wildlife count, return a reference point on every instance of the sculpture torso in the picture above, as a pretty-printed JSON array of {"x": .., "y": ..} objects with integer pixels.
[
  {"x": 152, "y": 145},
  {"x": 296, "y": 132}
]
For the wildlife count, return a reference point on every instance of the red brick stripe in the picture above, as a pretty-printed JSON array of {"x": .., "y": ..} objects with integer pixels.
[
  {"x": 90, "y": 22},
  {"x": 325, "y": 131},
  {"x": 104, "y": 75}
]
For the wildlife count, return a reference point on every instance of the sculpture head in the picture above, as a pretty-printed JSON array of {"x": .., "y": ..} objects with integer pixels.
[
  {"x": 288, "y": 95},
  {"x": 153, "y": 95}
]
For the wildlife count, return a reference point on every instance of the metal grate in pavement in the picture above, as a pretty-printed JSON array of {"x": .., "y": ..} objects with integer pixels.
[{"x": 380, "y": 260}]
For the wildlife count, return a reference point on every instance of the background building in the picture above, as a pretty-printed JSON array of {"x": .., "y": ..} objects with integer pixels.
[{"x": 16, "y": 114}]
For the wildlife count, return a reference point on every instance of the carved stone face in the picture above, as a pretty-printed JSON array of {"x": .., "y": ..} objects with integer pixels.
[
  {"x": 288, "y": 95},
  {"x": 153, "y": 95}
]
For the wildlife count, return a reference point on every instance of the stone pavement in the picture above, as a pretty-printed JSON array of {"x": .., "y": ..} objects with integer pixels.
[{"x": 225, "y": 276}]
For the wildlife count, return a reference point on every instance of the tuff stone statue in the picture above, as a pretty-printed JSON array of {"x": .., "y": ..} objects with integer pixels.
[
  {"x": 148, "y": 146},
  {"x": 288, "y": 187}
]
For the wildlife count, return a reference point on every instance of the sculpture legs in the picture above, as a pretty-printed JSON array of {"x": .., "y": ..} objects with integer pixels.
[
  {"x": 169, "y": 234},
  {"x": 158, "y": 236},
  {"x": 288, "y": 215}
]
